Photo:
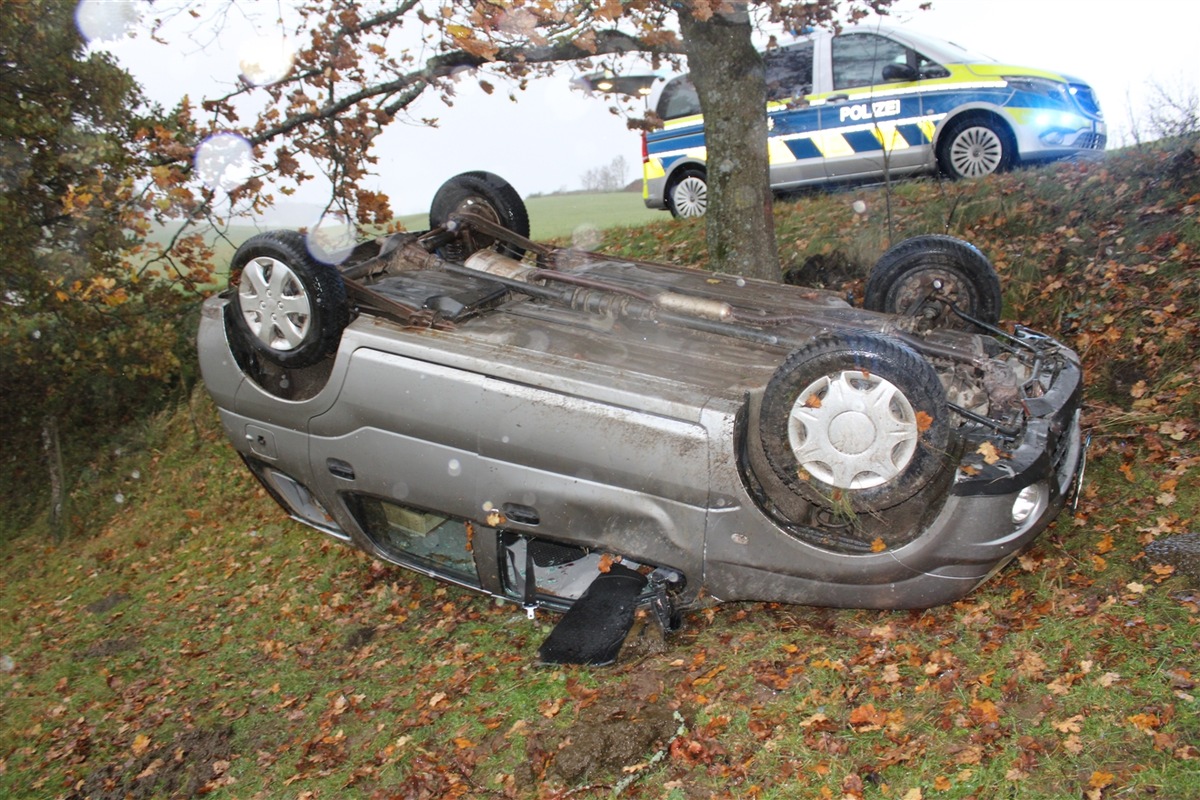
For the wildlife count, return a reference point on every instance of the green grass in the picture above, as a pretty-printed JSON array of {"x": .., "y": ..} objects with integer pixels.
[
  {"x": 193, "y": 618},
  {"x": 562, "y": 216}
]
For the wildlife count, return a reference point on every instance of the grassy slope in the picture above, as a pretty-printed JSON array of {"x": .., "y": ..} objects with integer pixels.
[{"x": 197, "y": 641}]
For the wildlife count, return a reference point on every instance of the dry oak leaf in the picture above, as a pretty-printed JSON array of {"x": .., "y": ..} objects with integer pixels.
[
  {"x": 1146, "y": 723},
  {"x": 867, "y": 718},
  {"x": 989, "y": 452},
  {"x": 1069, "y": 725}
]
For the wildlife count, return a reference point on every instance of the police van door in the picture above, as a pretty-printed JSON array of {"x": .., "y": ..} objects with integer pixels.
[
  {"x": 791, "y": 118},
  {"x": 869, "y": 122}
]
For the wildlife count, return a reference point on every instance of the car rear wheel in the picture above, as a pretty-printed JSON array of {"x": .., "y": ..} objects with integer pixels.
[
  {"x": 975, "y": 146},
  {"x": 855, "y": 423},
  {"x": 290, "y": 307},
  {"x": 909, "y": 278},
  {"x": 688, "y": 195},
  {"x": 482, "y": 193}
]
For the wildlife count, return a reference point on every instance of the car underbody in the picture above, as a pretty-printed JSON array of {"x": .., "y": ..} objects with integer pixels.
[{"x": 521, "y": 419}]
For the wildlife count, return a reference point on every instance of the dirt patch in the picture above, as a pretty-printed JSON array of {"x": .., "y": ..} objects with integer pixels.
[
  {"x": 825, "y": 271},
  {"x": 1182, "y": 552},
  {"x": 644, "y": 640},
  {"x": 107, "y": 604},
  {"x": 106, "y": 648},
  {"x": 605, "y": 741},
  {"x": 194, "y": 763},
  {"x": 359, "y": 637}
]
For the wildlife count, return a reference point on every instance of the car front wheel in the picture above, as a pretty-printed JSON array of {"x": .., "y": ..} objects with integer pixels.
[
  {"x": 855, "y": 423},
  {"x": 290, "y": 307},
  {"x": 974, "y": 147}
]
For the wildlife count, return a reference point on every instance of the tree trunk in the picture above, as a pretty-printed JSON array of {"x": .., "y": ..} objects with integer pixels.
[
  {"x": 728, "y": 73},
  {"x": 53, "y": 451}
]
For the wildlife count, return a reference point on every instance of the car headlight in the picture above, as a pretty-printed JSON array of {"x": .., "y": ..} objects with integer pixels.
[{"x": 1030, "y": 501}]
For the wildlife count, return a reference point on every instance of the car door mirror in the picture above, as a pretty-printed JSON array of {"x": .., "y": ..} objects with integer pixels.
[{"x": 899, "y": 72}]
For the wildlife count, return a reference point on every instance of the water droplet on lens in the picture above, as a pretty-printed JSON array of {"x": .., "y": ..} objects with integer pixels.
[
  {"x": 224, "y": 161},
  {"x": 267, "y": 59},
  {"x": 105, "y": 20}
]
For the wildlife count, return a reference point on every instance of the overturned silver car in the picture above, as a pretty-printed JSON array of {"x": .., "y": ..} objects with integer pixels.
[{"x": 520, "y": 420}]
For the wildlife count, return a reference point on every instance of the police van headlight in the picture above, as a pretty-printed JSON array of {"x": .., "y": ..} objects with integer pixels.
[{"x": 1053, "y": 91}]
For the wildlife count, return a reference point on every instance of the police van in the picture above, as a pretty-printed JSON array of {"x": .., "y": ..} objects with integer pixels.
[{"x": 852, "y": 106}]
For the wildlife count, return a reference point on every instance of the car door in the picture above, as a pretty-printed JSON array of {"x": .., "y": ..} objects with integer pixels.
[
  {"x": 870, "y": 121},
  {"x": 792, "y": 119}
]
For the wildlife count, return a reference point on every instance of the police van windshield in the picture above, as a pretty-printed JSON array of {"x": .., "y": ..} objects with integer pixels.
[{"x": 678, "y": 99}]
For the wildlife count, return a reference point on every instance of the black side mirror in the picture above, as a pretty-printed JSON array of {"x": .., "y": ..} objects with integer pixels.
[{"x": 899, "y": 72}]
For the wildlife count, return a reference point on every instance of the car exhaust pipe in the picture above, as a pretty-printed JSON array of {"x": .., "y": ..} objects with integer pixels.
[{"x": 503, "y": 266}]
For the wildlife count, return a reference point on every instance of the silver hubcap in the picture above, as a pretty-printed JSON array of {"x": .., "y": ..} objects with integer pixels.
[
  {"x": 853, "y": 430},
  {"x": 690, "y": 197},
  {"x": 274, "y": 303},
  {"x": 976, "y": 152}
]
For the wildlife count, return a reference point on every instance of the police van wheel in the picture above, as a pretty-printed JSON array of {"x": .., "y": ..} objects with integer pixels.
[
  {"x": 688, "y": 194},
  {"x": 855, "y": 422},
  {"x": 975, "y": 146},
  {"x": 916, "y": 277},
  {"x": 290, "y": 307},
  {"x": 482, "y": 193}
]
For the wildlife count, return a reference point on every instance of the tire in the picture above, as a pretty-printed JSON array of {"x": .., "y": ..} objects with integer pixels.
[
  {"x": 855, "y": 422},
  {"x": 290, "y": 308},
  {"x": 687, "y": 196},
  {"x": 975, "y": 146},
  {"x": 910, "y": 273},
  {"x": 486, "y": 194}
]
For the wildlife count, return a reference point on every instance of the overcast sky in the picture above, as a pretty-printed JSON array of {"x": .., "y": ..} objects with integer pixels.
[{"x": 549, "y": 138}]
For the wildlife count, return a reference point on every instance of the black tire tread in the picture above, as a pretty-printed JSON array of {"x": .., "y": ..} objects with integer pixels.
[
  {"x": 891, "y": 360},
  {"x": 497, "y": 192},
  {"x": 938, "y": 250},
  {"x": 322, "y": 282}
]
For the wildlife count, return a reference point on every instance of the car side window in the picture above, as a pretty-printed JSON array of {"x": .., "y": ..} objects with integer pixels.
[
  {"x": 859, "y": 59},
  {"x": 678, "y": 99},
  {"x": 789, "y": 71},
  {"x": 928, "y": 68}
]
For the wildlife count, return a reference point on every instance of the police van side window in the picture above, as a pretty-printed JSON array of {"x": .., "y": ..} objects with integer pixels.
[
  {"x": 678, "y": 99},
  {"x": 789, "y": 71},
  {"x": 927, "y": 68},
  {"x": 860, "y": 58}
]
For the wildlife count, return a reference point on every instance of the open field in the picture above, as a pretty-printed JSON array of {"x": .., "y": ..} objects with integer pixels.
[
  {"x": 187, "y": 639},
  {"x": 559, "y": 216}
]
